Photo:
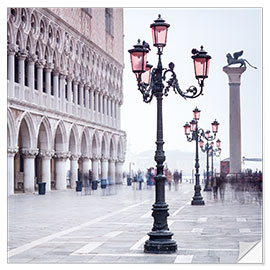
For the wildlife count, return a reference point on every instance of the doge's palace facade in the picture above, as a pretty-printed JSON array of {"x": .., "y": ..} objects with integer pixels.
[{"x": 64, "y": 83}]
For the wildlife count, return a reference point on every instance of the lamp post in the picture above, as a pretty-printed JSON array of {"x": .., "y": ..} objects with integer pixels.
[
  {"x": 209, "y": 138},
  {"x": 196, "y": 135},
  {"x": 214, "y": 152},
  {"x": 150, "y": 83}
]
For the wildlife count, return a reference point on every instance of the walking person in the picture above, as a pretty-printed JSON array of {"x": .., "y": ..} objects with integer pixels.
[
  {"x": 176, "y": 180},
  {"x": 140, "y": 179},
  {"x": 169, "y": 179}
]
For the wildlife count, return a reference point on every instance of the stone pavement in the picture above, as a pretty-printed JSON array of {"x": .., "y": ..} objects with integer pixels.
[{"x": 111, "y": 226}]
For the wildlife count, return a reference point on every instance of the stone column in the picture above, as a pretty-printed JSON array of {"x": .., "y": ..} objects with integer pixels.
[
  {"x": 95, "y": 168},
  {"x": 81, "y": 94},
  {"x": 76, "y": 82},
  {"x": 87, "y": 98},
  {"x": 61, "y": 95},
  {"x": 118, "y": 169},
  {"x": 48, "y": 70},
  {"x": 31, "y": 70},
  {"x": 21, "y": 57},
  {"x": 60, "y": 170},
  {"x": 105, "y": 109},
  {"x": 109, "y": 111},
  {"x": 104, "y": 168},
  {"x": 29, "y": 169},
  {"x": 10, "y": 170},
  {"x": 46, "y": 157},
  {"x": 112, "y": 171},
  {"x": 55, "y": 83},
  {"x": 234, "y": 75},
  {"x": 85, "y": 165},
  {"x": 73, "y": 170},
  {"x": 11, "y": 61},
  {"x": 69, "y": 92}
]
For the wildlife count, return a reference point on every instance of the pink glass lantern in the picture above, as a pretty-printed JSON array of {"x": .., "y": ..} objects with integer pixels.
[
  {"x": 201, "y": 63},
  {"x": 215, "y": 126},
  {"x": 187, "y": 128},
  {"x": 146, "y": 75},
  {"x": 159, "y": 32},
  {"x": 196, "y": 114},
  {"x": 218, "y": 143},
  {"x": 193, "y": 125},
  {"x": 138, "y": 57},
  {"x": 201, "y": 143}
]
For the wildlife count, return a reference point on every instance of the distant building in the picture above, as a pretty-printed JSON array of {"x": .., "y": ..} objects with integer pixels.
[
  {"x": 225, "y": 166},
  {"x": 65, "y": 69}
]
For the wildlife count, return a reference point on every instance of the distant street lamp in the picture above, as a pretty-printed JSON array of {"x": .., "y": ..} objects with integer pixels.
[
  {"x": 196, "y": 135},
  {"x": 206, "y": 148},
  {"x": 150, "y": 83}
]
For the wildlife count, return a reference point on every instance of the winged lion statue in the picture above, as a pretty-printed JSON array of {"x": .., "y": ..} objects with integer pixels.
[{"x": 234, "y": 60}]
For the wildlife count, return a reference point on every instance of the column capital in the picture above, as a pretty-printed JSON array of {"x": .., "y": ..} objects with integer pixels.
[
  {"x": 120, "y": 160},
  {"x": 62, "y": 155},
  {"x": 56, "y": 71},
  {"x": 95, "y": 158},
  {"x": 46, "y": 154},
  {"x": 104, "y": 158},
  {"x": 29, "y": 153},
  {"x": 74, "y": 156},
  {"x": 32, "y": 58},
  {"x": 62, "y": 75},
  {"x": 12, "y": 151},
  {"x": 84, "y": 157},
  {"x": 40, "y": 63},
  {"x": 87, "y": 86},
  {"x": 234, "y": 74},
  {"x": 22, "y": 55},
  {"x": 69, "y": 77},
  {"x": 12, "y": 49},
  {"x": 48, "y": 67}
]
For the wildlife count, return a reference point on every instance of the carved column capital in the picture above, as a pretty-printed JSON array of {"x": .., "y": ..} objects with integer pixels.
[
  {"x": 74, "y": 156},
  {"x": 12, "y": 49},
  {"x": 46, "y": 154},
  {"x": 61, "y": 155},
  {"x": 29, "y": 153},
  {"x": 32, "y": 58},
  {"x": 40, "y": 63},
  {"x": 84, "y": 157},
  {"x": 22, "y": 55},
  {"x": 12, "y": 151}
]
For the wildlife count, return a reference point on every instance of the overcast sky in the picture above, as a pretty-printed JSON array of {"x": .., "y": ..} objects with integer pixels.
[{"x": 220, "y": 31}]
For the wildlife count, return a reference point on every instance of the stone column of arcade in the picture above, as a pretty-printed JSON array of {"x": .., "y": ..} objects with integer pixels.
[
  {"x": 95, "y": 168},
  {"x": 29, "y": 169},
  {"x": 10, "y": 171},
  {"x": 112, "y": 171},
  {"x": 104, "y": 169},
  {"x": 85, "y": 166},
  {"x": 46, "y": 157},
  {"x": 60, "y": 170},
  {"x": 31, "y": 74},
  {"x": 234, "y": 75},
  {"x": 118, "y": 168},
  {"x": 21, "y": 75},
  {"x": 73, "y": 170}
]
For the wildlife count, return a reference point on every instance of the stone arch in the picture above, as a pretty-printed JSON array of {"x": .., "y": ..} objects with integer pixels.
[
  {"x": 10, "y": 34},
  {"x": 120, "y": 149},
  {"x": 20, "y": 40},
  {"x": 104, "y": 144},
  {"x": 60, "y": 137},
  {"x": 44, "y": 135},
  {"x": 112, "y": 149},
  {"x": 95, "y": 144},
  {"x": 11, "y": 132},
  {"x": 25, "y": 19},
  {"x": 26, "y": 127},
  {"x": 15, "y": 17},
  {"x": 73, "y": 139}
]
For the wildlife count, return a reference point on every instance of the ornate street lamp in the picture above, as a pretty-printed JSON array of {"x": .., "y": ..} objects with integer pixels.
[
  {"x": 160, "y": 240},
  {"x": 208, "y": 146},
  {"x": 197, "y": 133}
]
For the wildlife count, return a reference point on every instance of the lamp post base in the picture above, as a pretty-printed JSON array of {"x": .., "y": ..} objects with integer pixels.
[
  {"x": 197, "y": 201},
  {"x": 160, "y": 242}
]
